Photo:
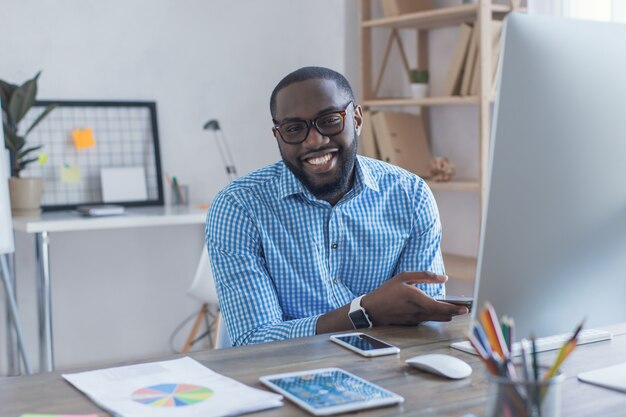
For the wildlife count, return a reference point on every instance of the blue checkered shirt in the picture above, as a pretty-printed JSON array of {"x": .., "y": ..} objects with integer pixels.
[{"x": 282, "y": 258}]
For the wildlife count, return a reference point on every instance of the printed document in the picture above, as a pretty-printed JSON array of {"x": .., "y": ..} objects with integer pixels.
[{"x": 177, "y": 388}]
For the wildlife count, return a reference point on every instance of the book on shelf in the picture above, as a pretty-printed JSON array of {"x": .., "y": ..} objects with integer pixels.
[
  {"x": 470, "y": 61},
  {"x": 455, "y": 68},
  {"x": 393, "y": 8},
  {"x": 402, "y": 141},
  {"x": 367, "y": 141},
  {"x": 495, "y": 57},
  {"x": 496, "y": 32}
]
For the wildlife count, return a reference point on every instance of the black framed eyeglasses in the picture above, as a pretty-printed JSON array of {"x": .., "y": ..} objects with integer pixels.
[{"x": 328, "y": 124}]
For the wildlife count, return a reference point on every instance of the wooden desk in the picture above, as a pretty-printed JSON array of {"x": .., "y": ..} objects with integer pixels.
[
  {"x": 66, "y": 221},
  {"x": 425, "y": 394}
]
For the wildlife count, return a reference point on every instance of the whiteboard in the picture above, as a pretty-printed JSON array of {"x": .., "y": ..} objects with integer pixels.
[{"x": 6, "y": 224}]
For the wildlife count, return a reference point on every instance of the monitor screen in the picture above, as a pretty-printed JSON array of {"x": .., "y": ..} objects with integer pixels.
[{"x": 553, "y": 239}]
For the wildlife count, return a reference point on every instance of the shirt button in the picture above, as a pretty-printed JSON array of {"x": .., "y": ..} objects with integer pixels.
[{"x": 334, "y": 246}]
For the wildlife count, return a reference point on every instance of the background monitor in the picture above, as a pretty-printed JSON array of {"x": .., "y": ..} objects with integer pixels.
[{"x": 553, "y": 239}]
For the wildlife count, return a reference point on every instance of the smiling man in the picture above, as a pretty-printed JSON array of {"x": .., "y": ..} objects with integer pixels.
[{"x": 324, "y": 240}]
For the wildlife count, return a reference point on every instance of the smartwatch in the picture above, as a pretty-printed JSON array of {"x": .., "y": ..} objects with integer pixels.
[{"x": 358, "y": 315}]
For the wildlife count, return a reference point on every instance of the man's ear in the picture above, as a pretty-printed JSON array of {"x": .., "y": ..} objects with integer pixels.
[{"x": 358, "y": 119}]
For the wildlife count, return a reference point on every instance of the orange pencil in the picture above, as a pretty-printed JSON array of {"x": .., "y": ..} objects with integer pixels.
[
  {"x": 498, "y": 330},
  {"x": 490, "y": 330}
]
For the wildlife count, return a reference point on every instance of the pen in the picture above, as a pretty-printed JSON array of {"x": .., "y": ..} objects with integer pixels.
[
  {"x": 533, "y": 344},
  {"x": 511, "y": 334},
  {"x": 176, "y": 190},
  {"x": 524, "y": 353}
]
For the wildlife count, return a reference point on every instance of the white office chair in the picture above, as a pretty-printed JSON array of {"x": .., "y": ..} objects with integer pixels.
[{"x": 203, "y": 290}]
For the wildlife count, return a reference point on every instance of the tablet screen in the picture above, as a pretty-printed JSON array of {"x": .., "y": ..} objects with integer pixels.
[{"x": 329, "y": 388}]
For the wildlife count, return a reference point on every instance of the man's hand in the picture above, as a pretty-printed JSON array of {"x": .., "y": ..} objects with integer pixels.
[{"x": 399, "y": 302}]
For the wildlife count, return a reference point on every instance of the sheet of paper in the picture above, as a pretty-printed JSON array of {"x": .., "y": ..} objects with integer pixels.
[
  {"x": 83, "y": 138},
  {"x": 177, "y": 388},
  {"x": 59, "y": 415},
  {"x": 70, "y": 174},
  {"x": 123, "y": 184}
]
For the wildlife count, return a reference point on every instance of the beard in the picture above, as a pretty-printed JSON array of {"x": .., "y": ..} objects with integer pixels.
[{"x": 346, "y": 159}]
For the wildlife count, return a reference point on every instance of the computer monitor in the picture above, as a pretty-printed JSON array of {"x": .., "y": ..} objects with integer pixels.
[{"x": 553, "y": 238}]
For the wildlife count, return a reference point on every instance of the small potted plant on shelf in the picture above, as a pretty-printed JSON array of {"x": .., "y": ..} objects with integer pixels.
[
  {"x": 16, "y": 102},
  {"x": 419, "y": 83}
]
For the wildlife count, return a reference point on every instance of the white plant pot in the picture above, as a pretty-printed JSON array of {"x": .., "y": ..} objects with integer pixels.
[
  {"x": 25, "y": 196},
  {"x": 419, "y": 90}
]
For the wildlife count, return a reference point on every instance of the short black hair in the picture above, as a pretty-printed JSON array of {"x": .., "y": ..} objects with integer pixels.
[{"x": 311, "y": 73}]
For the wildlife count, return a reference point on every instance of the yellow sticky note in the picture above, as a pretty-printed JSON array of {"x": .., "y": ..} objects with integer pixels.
[
  {"x": 70, "y": 174},
  {"x": 83, "y": 138},
  {"x": 42, "y": 159}
]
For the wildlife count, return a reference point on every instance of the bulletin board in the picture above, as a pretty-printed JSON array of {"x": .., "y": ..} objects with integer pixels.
[{"x": 124, "y": 134}]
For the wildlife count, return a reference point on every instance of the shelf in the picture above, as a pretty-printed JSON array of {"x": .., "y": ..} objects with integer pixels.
[
  {"x": 460, "y": 185},
  {"x": 446, "y": 16},
  {"x": 427, "y": 101},
  {"x": 460, "y": 267}
]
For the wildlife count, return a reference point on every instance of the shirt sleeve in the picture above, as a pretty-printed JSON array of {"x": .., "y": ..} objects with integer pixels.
[
  {"x": 246, "y": 293},
  {"x": 422, "y": 251}
]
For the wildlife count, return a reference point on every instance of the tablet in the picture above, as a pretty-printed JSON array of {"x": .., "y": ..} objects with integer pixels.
[{"x": 330, "y": 391}]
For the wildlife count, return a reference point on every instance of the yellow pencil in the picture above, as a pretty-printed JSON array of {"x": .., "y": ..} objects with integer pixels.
[{"x": 567, "y": 348}]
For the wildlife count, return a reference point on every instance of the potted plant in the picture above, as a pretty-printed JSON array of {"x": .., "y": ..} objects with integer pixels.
[
  {"x": 419, "y": 83},
  {"x": 16, "y": 102}
]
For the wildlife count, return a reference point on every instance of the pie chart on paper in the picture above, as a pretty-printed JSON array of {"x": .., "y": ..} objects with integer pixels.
[{"x": 171, "y": 395}]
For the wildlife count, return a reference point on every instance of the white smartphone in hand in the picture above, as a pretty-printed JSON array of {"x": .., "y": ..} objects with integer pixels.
[
  {"x": 460, "y": 300},
  {"x": 364, "y": 344}
]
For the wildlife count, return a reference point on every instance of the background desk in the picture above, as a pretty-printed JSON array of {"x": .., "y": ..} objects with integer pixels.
[
  {"x": 71, "y": 222},
  {"x": 425, "y": 394}
]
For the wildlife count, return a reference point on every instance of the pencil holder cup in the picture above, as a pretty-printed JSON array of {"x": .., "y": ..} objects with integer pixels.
[
  {"x": 180, "y": 196},
  {"x": 519, "y": 397}
]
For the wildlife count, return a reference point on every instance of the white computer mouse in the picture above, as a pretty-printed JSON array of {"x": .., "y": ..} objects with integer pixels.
[{"x": 443, "y": 365}]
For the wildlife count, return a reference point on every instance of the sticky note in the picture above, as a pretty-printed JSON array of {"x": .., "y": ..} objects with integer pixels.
[
  {"x": 83, "y": 138},
  {"x": 42, "y": 159},
  {"x": 70, "y": 174}
]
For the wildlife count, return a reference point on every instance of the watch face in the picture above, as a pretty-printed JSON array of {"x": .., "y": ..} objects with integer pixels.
[{"x": 359, "y": 320}]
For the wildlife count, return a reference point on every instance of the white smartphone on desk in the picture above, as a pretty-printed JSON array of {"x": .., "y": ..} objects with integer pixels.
[{"x": 364, "y": 344}]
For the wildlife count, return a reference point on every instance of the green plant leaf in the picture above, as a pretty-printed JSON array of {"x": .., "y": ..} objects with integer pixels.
[
  {"x": 41, "y": 117},
  {"x": 22, "y": 154},
  {"x": 12, "y": 140},
  {"x": 22, "y": 163},
  {"x": 6, "y": 91},
  {"x": 23, "y": 99}
]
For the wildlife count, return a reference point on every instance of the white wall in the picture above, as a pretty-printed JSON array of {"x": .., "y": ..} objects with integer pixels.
[{"x": 117, "y": 295}]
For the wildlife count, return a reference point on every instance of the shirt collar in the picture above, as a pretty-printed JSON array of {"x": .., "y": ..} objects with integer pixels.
[
  {"x": 289, "y": 183},
  {"x": 364, "y": 174}
]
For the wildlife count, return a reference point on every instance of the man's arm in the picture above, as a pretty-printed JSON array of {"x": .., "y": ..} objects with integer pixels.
[
  {"x": 246, "y": 292},
  {"x": 406, "y": 299}
]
